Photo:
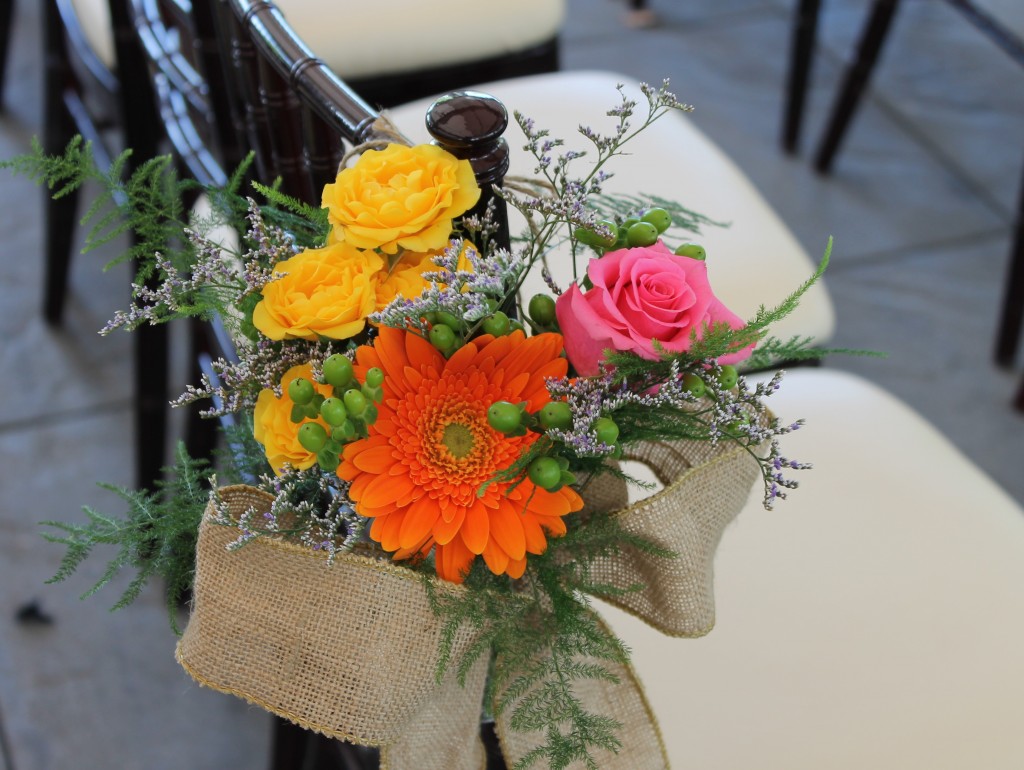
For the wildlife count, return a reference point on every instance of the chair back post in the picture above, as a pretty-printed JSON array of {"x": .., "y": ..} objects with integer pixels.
[
  {"x": 291, "y": 107},
  {"x": 469, "y": 125}
]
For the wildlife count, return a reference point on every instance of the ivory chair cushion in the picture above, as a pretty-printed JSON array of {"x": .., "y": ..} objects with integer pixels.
[
  {"x": 753, "y": 261},
  {"x": 389, "y": 36},
  {"x": 874, "y": 620}
]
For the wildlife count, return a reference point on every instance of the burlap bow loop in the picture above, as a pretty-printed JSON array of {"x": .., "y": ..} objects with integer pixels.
[{"x": 349, "y": 650}]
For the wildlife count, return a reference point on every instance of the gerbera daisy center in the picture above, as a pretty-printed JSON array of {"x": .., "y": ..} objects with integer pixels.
[{"x": 458, "y": 439}]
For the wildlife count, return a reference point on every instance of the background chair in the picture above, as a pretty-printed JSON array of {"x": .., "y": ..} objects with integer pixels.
[
  {"x": 88, "y": 91},
  {"x": 874, "y": 619},
  {"x": 1003, "y": 24}
]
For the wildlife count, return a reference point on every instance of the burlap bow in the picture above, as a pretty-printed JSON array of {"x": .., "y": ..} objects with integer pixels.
[{"x": 350, "y": 650}]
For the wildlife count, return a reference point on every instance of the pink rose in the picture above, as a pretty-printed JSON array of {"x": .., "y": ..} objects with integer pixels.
[{"x": 640, "y": 295}]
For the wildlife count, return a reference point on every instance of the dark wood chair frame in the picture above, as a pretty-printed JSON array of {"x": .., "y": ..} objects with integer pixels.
[
  {"x": 82, "y": 96},
  {"x": 855, "y": 80},
  {"x": 297, "y": 116}
]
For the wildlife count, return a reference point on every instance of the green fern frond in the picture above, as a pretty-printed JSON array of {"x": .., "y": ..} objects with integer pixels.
[{"x": 156, "y": 537}]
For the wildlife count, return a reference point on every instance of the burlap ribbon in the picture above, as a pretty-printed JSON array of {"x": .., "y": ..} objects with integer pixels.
[{"x": 349, "y": 650}]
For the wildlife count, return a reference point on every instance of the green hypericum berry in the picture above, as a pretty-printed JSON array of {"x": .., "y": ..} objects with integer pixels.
[
  {"x": 594, "y": 239},
  {"x": 606, "y": 429},
  {"x": 312, "y": 436},
  {"x": 555, "y": 414},
  {"x": 333, "y": 411},
  {"x": 355, "y": 402},
  {"x": 504, "y": 417},
  {"x": 692, "y": 250},
  {"x": 374, "y": 377},
  {"x": 449, "y": 320},
  {"x": 496, "y": 324},
  {"x": 658, "y": 217},
  {"x": 627, "y": 223},
  {"x": 373, "y": 393},
  {"x": 344, "y": 432},
  {"x": 542, "y": 309},
  {"x": 442, "y": 337},
  {"x": 728, "y": 377},
  {"x": 300, "y": 391},
  {"x": 694, "y": 385},
  {"x": 642, "y": 234},
  {"x": 544, "y": 472},
  {"x": 338, "y": 370},
  {"x": 328, "y": 461},
  {"x": 369, "y": 415}
]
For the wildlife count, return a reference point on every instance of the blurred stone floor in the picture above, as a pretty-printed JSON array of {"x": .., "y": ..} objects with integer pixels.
[{"x": 920, "y": 204}]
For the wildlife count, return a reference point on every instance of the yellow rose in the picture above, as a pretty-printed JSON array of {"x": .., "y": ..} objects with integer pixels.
[
  {"x": 326, "y": 292},
  {"x": 273, "y": 426},
  {"x": 400, "y": 197},
  {"x": 406, "y": 278}
]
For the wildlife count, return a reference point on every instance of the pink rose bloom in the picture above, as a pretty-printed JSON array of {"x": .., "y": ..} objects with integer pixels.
[{"x": 640, "y": 295}]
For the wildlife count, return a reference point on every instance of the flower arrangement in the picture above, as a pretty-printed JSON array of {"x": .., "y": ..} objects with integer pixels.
[{"x": 400, "y": 398}]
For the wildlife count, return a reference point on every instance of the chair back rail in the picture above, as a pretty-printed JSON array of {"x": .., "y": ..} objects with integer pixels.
[{"x": 171, "y": 45}]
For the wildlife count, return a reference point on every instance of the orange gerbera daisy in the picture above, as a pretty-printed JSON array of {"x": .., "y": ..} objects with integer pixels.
[{"x": 418, "y": 473}]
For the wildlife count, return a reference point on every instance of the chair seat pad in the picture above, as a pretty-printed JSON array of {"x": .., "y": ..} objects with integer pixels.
[
  {"x": 390, "y": 36},
  {"x": 875, "y": 619},
  {"x": 754, "y": 261},
  {"x": 387, "y": 37}
]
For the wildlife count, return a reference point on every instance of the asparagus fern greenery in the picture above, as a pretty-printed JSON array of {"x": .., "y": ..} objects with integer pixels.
[
  {"x": 155, "y": 538},
  {"x": 544, "y": 637}
]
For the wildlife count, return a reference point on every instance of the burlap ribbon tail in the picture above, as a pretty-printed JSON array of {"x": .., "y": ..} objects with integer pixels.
[{"x": 349, "y": 650}]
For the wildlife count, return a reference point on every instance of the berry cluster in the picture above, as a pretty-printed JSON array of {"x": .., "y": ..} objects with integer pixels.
[
  {"x": 347, "y": 412},
  {"x": 551, "y": 471},
  {"x": 643, "y": 230},
  {"x": 448, "y": 332}
]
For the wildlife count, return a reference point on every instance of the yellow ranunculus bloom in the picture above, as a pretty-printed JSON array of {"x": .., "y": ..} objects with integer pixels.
[
  {"x": 325, "y": 292},
  {"x": 400, "y": 197},
  {"x": 274, "y": 429}
]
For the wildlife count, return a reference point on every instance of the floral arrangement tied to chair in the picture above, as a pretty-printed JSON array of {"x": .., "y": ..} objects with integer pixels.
[{"x": 431, "y": 466}]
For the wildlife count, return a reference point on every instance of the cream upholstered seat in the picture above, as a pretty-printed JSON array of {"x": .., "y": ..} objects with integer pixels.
[
  {"x": 432, "y": 34},
  {"x": 753, "y": 261},
  {"x": 874, "y": 620}
]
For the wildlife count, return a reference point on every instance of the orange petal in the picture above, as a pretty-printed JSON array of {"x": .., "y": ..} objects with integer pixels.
[
  {"x": 461, "y": 358},
  {"x": 390, "y": 346},
  {"x": 391, "y": 530},
  {"x": 444, "y": 531},
  {"x": 383, "y": 490},
  {"x": 507, "y": 530},
  {"x": 376, "y": 460},
  {"x": 475, "y": 529},
  {"x": 421, "y": 353},
  {"x": 453, "y": 561},
  {"x": 516, "y": 568},
  {"x": 419, "y": 518},
  {"x": 495, "y": 558},
  {"x": 536, "y": 542}
]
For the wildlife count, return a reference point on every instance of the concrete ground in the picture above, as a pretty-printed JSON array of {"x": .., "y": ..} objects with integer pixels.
[{"x": 920, "y": 203}]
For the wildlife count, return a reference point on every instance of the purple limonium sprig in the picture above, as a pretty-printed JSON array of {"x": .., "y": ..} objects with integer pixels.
[
  {"x": 261, "y": 366},
  {"x": 463, "y": 293},
  {"x": 310, "y": 507}
]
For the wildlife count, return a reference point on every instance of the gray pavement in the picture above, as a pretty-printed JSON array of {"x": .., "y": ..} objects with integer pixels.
[{"x": 920, "y": 204}]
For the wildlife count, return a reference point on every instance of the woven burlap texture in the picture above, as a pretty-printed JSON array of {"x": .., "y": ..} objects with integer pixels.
[
  {"x": 705, "y": 487},
  {"x": 347, "y": 650}
]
